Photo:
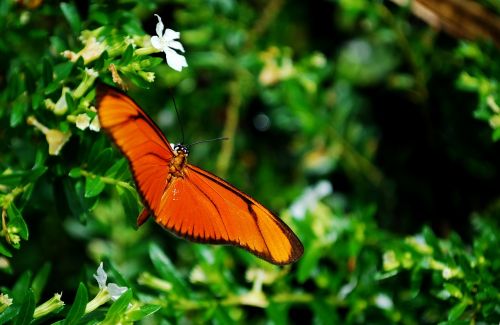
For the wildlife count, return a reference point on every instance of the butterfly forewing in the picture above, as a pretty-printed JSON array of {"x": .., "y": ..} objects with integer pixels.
[
  {"x": 145, "y": 147},
  {"x": 194, "y": 204}
]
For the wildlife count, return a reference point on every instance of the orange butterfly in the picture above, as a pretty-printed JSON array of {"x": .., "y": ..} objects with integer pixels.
[{"x": 184, "y": 199}]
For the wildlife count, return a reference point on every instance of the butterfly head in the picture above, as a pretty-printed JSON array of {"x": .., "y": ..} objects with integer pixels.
[{"x": 180, "y": 149}]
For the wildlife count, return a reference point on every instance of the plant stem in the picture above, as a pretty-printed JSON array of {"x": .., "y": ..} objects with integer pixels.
[
  {"x": 236, "y": 87},
  {"x": 230, "y": 126},
  {"x": 108, "y": 180}
]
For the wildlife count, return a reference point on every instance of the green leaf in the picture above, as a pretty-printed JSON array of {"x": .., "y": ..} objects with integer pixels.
[
  {"x": 220, "y": 315},
  {"x": 75, "y": 198},
  {"x": 323, "y": 314},
  {"x": 167, "y": 270},
  {"x": 70, "y": 101},
  {"x": 127, "y": 56},
  {"x": 4, "y": 251},
  {"x": 12, "y": 179},
  {"x": 71, "y": 13},
  {"x": 21, "y": 287},
  {"x": 113, "y": 272},
  {"x": 34, "y": 174},
  {"x": 36, "y": 100},
  {"x": 95, "y": 151},
  {"x": 16, "y": 220},
  {"x": 101, "y": 163},
  {"x": 118, "y": 170},
  {"x": 47, "y": 72},
  {"x": 9, "y": 313},
  {"x": 75, "y": 172},
  {"x": 278, "y": 313},
  {"x": 150, "y": 63},
  {"x": 118, "y": 308},
  {"x": 52, "y": 87},
  {"x": 27, "y": 309},
  {"x": 430, "y": 238},
  {"x": 142, "y": 312},
  {"x": 309, "y": 263},
  {"x": 40, "y": 280},
  {"x": 130, "y": 204},
  {"x": 496, "y": 135},
  {"x": 62, "y": 71},
  {"x": 457, "y": 310},
  {"x": 100, "y": 62},
  {"x": 453, "y": 290},
  {"x": 77, "y": 310},
  {"x": 19, "y": 108},
  {"x": 93, "y": 186},
  {"x": 137, "y": 80},
  {"x": 29, "y": 79},
  {"x": 21, "y": 177}
]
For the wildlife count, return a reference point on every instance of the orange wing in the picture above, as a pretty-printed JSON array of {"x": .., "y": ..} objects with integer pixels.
[
  {"x": 140, "y": 140},
  {"x": 198, "y": 206}
]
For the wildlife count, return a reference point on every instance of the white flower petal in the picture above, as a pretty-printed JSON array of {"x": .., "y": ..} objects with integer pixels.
[
  {"x": 159, "y": 26},
  {"x": 95, "y": 125},
  {"x": 323, "y": 188},
  {"x": 171, "y": 34},
  {"x": 82, "y": 121},
  {"x": 101, "y": 276},
  {"x": 383, "y": 301},
  {"x": 156, "y": 42},
  {"x": 115, "y": 291},
  {"x": 91, "y": 72},
  {"x": 176, "y": 45},
  {"x": 175, "y": 60}
]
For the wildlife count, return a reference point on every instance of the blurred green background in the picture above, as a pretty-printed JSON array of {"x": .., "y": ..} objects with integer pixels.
[{"x": 370, "y": 133}]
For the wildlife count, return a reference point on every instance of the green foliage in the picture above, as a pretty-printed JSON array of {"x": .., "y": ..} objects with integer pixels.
[
  {"x": 298, "y": 97},
  {"x": 460, "y": 275}
]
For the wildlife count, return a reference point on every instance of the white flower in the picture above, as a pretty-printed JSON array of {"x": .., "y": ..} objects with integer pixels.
[
  {"x": 113, "y": 289},
  {"x": 383, "y": 301},
  {"x": 82, "y": 121},
  {"x": 309, "y": 199},
  {"x": 95, "y": 125},
  {"x": 91, "y": 72},
  {"x": 165, "y": 42},
  {"x": 106, "y": 291}
]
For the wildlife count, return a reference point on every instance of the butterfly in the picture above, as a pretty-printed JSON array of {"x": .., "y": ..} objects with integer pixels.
[{"x": 187, "y": 200}]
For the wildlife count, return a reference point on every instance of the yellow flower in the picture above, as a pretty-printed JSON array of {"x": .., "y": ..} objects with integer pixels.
[
  {"x": 5, "y": 302},
  {"x": 55, "y": 138}
]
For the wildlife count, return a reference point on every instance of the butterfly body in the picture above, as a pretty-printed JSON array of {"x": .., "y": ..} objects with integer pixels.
[
  {"x": 178, "y": 162},
  {"x": 185, "y": 199}
]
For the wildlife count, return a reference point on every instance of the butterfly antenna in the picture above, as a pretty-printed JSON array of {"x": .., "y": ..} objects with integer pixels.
[
  {"x": 178, "y": 116},
  {"x": 209, "y": 140}
]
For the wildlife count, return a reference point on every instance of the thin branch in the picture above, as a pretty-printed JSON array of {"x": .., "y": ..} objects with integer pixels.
[{"x": 108, "y": 180}]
